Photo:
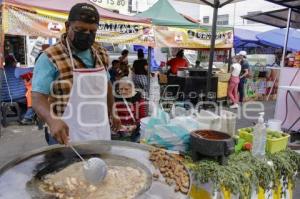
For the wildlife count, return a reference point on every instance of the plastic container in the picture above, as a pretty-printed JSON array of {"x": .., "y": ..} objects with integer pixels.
[
  {"x": 223, "y": 77},
  {"x": 276, "y": 145},
  {"x": 274, "y": 124},
  {"x": 248, "y": 137},
  {"x": 273, "y": 145}
]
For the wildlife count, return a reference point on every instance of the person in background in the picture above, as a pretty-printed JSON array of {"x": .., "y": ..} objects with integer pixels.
[
  {"x": 44, "y": 47},
  {"x": 234, "y": 81},
  {"x": 197, "y": 64},
  {"x": 114, "y": 71},
  {"x": 124, "y": 67},
  {"x": 130, "y": 108},
  {"x": 124, "y": 57},
  {"x": 13, "y": 88},
  {"x": 178, "y": 62},
  {"x": 243, "y": 75},
  {"x": 30, "y": 114},
  {"x": 140, "y": 71},
  {"x": 28, "y": 118}
]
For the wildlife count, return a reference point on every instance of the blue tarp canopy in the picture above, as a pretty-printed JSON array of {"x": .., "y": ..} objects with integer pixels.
[
  {"x": 276, "y": 38},
  {"x": 245, "y": 38}
]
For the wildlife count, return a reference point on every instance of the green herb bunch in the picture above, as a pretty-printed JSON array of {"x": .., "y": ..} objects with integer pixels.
[{"x": 244, "y": 173}]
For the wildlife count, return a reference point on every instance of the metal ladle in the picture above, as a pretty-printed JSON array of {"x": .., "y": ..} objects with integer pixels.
[{"x": 95, "y": 169}]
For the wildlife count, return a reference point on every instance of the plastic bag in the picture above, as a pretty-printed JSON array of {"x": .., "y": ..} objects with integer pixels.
[
  {"x": 188, "y": 123},
  {"x": 171, "y": 137},
  {"x": 159, "y": 117},
  {"x": 159, "y": 131}
]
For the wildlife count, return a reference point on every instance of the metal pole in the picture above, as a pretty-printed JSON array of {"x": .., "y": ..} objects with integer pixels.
[
  {"x": 212, "y": 47},
  {"x": 286, "y": 40},
  {"x": 2, "y": 37},
  {"x": 288, "y": 25},
  {"x": 286, "y": 37},
  {"x": 148, "y": 79},
  {"x": 149, "y": 71},
  {"x": 229, "y": 59},
  {"x": 2, "y": 59}
]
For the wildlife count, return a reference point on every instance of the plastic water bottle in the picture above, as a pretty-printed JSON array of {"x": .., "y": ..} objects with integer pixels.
[
  {"x": 154, "y": 90},
  {"x": 259, "y": 138}
]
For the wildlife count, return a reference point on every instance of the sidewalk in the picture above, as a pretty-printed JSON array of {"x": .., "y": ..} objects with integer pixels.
[{"x": 17, "y": 139}]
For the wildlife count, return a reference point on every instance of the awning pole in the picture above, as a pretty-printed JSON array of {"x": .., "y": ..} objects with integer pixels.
[
  {"x": 288, "y": 25},
  {"x": 286, "y": 37},
  {"x": 2, "y": 59},
  {"x": 229, "y": 60},
  {"x": 2, "y": 39},
  {"x": 212, "y": 48},
  {"x": 148, "y": 79}
]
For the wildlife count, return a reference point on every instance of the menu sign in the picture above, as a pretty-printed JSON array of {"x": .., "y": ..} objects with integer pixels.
[{"x": 120, "y": 5}]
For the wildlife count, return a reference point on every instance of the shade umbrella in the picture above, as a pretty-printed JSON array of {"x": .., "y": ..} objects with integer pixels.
[
  {"x": 216, "y": 4},
  {"x": 276, "y": 38},
  {"x": 211, "y": 3},
  {"x": 277, "y": 18},
  {"x": 295, "y": 4}
]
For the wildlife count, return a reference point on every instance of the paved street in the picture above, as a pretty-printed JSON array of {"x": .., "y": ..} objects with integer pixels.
[{"x": 16, "y": 140}]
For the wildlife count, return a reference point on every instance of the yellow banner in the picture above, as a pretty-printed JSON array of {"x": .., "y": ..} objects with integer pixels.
[
  {"x": 113, "y": 31},
  {"x": 51, "y": 24},
  {"x": 192, "y": 38},
  {"x": 44, "y": 23}
]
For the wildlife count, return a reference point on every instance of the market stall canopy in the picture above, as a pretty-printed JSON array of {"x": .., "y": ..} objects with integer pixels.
[
  {"x": 191, "y": 19},
  {"x": 277, "y": 18},
  {"x": 48, "y": 22},
  {"x": 276, "y": 37},
  {"x": 65, "y": 6},
  {"x": 287, "y": 3},
  {"x": 162, "y": 13},
  {"x": 211, "y": 2},
  {"x": 243, "y": 37}
]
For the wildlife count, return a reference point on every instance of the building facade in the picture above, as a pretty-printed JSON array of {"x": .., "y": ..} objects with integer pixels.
[
  {"x": 230, "y": 15},
  {"x": 192, "y": 10}
]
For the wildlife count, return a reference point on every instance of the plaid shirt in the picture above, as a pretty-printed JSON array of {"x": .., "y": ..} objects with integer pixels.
[{"x": 60, "y": 90}]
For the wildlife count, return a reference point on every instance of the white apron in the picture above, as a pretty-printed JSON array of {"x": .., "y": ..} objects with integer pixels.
[{"x": 86, "y": 113}]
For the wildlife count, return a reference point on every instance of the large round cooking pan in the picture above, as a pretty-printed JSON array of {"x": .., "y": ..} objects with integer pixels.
[{"x": 19, "y": 177}]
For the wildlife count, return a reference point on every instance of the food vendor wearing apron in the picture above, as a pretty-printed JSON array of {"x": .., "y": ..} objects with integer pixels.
[{"x": 71, "y": 91}]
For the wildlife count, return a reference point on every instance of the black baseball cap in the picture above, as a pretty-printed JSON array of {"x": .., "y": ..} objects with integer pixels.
[{"x": 84, "y": 12}]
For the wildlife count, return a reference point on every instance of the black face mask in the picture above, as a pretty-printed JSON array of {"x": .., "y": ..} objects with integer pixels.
[{"x": 83, "y": 41}]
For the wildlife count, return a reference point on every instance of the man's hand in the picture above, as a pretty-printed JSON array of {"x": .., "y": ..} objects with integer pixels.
[
  {"x": 60, "y": 131},
  {"x": 115, "y": 124}
]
